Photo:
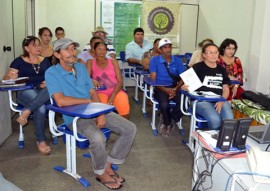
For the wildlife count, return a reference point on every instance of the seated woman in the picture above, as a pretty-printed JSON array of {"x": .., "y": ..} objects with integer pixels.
[
  {"x": 197, "y": 54},
  {"x": 106, "y": 71},
  {"x": 45, "y": 35},
  {"x": 32, "y": 65},
  {"x": 148, "y": 55},
  {"x": 215, "y": 79},
  {"x": 90, "y": 53},
  {"x": 233, "y": 66}
]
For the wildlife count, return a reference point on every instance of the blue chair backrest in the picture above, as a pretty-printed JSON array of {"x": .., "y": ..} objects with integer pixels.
[{"x": 122, "y": 56}]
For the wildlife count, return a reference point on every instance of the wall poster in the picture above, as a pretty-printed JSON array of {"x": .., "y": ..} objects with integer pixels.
[{"x": 119, "y": 19}]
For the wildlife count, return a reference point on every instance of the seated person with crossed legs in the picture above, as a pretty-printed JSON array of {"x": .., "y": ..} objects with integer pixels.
[
  {"x": 215, "y": 79},
  {"x": 69, "y": 84},
  {"x": 31, "y": 64},
  {"x": 167, "y": 67}
]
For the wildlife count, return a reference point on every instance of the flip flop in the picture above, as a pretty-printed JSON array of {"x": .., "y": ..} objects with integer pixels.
[
  {"x": 108, "y": 182},
  {"x": 23, "y": 121},
  {"x": 43, "y": 148},
  {"x": 117, "y": 177}
]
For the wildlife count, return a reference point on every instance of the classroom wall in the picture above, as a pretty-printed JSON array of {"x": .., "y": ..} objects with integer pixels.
[
  {"x": 246, "y": 22},
  {"x": 258, "y": 67},
  {"x": 221, "y": 19},
  {"x": 76, "y": 17},
  {"x": 243, "y": 20}
]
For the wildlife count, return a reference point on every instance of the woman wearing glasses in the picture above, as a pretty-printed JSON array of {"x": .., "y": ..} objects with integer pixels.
[
  {"x": 215, "y": 79},
  {"x": 233, "y": 66},
  {"x": 31, "y": 64}
]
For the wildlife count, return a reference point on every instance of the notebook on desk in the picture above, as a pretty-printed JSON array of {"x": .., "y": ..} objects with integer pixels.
[
  {"x": 260, "y": 134},
  {"x": 11, "y": 85}
]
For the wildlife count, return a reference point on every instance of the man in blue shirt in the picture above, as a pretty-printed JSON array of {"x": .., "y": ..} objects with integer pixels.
[
  {"x": 136, "y": 48},
  {"x": 167, "y": 67},
  {"x": 69, "y": 84}
]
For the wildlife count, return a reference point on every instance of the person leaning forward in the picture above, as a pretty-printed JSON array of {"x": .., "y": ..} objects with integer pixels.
[
  {"x": 167, "y": 67},
  {"x": 69, "y": 84}
]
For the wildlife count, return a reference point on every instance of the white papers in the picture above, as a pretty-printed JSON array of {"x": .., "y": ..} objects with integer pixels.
[
  {"x": 15, "y": 81},
  {"x": 209, "y": 94},
  {"x": 191, "y": 79}
]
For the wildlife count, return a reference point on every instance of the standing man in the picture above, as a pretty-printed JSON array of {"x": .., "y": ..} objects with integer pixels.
[
  {"x": 136, "y": 48},
  {"x": 101, "y": 33},
  {"x": 69, "y": 84},
  {"x": 167, "y": 67}
]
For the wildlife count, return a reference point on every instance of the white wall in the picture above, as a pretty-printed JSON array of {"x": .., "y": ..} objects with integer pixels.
[
  {"x": 221, "y": 19},
  {"x": 19, "y": 16},
  {"x": 246, "y": 21},
  {"x": 76, "y": 17},
  {"x": 259, "y": 69}
]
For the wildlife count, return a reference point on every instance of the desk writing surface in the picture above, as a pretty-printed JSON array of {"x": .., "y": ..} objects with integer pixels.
[
  {"x": 142, "y": 72},
  {"x": 83, "y": 110},
  {"x": 156, "y": 82},
  {"x": 15, "y": 87},
  {"x": 202, "y": 98},
  {"x": 236, "y": 82}
]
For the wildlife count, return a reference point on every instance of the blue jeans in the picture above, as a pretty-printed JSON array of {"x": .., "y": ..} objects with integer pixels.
[
  {"x": 126, "y": 131},
  {"x": 35, "y": 100},
  {"x": 208, "y": 111}
]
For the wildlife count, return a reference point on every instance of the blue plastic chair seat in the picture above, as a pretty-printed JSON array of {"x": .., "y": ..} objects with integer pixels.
[{"x": 84, "y": 144}]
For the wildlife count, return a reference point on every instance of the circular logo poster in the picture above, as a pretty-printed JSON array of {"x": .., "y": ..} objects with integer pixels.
[{"x": 160, "y": 20}]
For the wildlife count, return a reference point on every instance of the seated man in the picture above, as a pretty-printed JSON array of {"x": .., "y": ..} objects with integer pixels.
[
  {"x": 167, "y": 67},
  {"x": 69, "y": 84},
  {"x": 136, "y": 48},
  {"x": 215, "y": 79},
  {"x": 101, "y": 33}
]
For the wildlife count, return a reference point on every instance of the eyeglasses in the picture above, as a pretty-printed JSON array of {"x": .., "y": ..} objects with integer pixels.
[{"x": 209, "y": 52}]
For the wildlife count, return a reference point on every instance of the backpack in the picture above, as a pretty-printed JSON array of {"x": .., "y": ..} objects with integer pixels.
[{"x": 257, "y": 97}]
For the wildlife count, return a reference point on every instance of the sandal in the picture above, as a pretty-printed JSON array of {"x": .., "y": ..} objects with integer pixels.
[
  {"x": 43, "y": 148},
  {"x": 106, "y": 184},
  {"x": 118, "y": 178},
  {"x": 21, "y": 120}
]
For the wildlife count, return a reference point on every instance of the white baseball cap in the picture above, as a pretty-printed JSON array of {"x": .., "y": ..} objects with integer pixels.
[{"x": 164, "y": 41}]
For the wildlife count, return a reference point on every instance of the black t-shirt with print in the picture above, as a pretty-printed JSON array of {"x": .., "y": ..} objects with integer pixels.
[{"x": 212, "y": 78}]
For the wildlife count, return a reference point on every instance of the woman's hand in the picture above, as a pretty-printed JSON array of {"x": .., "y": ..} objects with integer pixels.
[
  {"x": 111, "y": 100},
  {"x": 184, "y": 87},
  {"x": 219, "y": 106},
  {"x": 12, "y": 73},
  {"x": 234, "y": 90},
  {"x": 100, "y": 121},
  {"x": 96, "y": 83},
  {"x": 232, "y": 78}
]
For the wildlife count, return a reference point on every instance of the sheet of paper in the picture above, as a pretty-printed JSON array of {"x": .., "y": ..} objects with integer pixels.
[
  {"x": 14, "y": 81},
  {"x": 191, "y": 79}
]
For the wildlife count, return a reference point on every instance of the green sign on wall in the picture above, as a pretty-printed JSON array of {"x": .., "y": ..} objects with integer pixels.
[{"x": 127, "y": 17}]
